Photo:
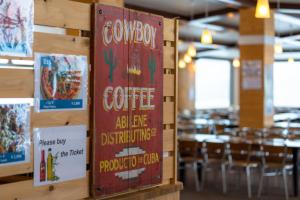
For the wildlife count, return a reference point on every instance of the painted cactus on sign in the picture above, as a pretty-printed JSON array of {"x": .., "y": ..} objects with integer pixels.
[
  {"x": 152, "y": 66},
  {"x": 111, "y": 61}
]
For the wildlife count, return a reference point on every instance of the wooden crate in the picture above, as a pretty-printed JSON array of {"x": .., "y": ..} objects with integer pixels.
[{"x": 73, "y": 19}]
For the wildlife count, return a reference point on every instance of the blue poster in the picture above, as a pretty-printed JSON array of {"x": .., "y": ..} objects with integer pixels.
[
  {"x": 61, "y": 82},
  {"x": 14, "y": 133}
]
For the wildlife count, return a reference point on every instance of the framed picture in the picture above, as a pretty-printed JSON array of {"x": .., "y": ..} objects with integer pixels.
[
  {"x": 14, "y": 133},
  {"x": 16, "y": 27},
  {"x": 60, "y": 82}
]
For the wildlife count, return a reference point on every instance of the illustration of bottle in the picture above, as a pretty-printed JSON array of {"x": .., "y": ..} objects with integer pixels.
[
  {"x": 42, "y": 167},
  {"x": 49, "y": 166}
]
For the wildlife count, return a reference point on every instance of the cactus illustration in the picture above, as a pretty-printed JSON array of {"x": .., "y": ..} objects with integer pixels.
[
  {"x": 152, "y": 66},
  {"x": 112, "y": 62}
]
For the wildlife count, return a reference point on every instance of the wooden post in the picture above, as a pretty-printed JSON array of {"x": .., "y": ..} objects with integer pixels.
[{"x": 256, "y": 80}]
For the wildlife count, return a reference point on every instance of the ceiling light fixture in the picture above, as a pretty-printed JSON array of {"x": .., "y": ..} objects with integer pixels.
[
  {"x": 192, "y": 51},
  {"x": 236, "y": 63},
  {"x": 262, "y": 9},
  {"x": 187, "y": 58},
  {"x": 291, "y": 60},
  {"x": 181, "y": 64},
  {"x": 206, "y": 36},
  {"x": 230, "y": 15},
  {"x": 278, "y": 48}
]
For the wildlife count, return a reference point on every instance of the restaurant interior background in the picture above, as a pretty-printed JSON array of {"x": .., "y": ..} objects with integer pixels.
[{"x": 233, "y": 124}]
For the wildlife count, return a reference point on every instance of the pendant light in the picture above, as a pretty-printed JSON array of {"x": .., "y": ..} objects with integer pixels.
[
  {"x": 262, "y": 9},
  {"x": 236, "y": 63},
  {"x": 206, "y": 37},
  {"x": 181, "y": 64},
  {"x": 187, "y": 58},
  {"x": 278, "y": 46},
  {"x": 291, "y": 60},
  {"x": 192, "y": 51}
]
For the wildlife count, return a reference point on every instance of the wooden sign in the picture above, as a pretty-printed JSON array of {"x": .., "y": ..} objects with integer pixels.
[{"x": 128, "y": 100}]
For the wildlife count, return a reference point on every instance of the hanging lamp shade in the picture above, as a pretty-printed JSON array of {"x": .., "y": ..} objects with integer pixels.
[
  {"x": 291, "y": 60},
  {"x": 181, "y": 64},
  {"x": 262, "y": 9},
  {"x": 206, "y": 37},
  {"x": 187, "y": 58},
  {"x": 192, "y": 51},
  {"x": 278, "y": 48},
  {"x": 236, "y": 63}
]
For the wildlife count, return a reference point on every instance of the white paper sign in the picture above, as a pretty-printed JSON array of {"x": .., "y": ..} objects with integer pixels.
[
  {"x": 59, "y": 154},
  {"x": 252, "y": 73}
]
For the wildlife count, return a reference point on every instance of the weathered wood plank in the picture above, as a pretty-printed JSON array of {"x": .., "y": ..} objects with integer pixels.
[
  {"x": 168, "y": 167},
  {"x": 16, "y": 83},
  {"x": 63, "y": 14},
  {"x": 168, "y": 140},
  {"x": 169, "y": 57},
  {"x": 169, "y": 85},
  {"x": 169, "y": 113},
  {"x": 70, "y": 190}
]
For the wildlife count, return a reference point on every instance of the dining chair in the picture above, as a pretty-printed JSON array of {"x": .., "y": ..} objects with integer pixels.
[
  {"x": 239, "y": 158},
  {"x": 214, "y": 158},
  {"x": 189, "y": 155},
  {"x": 276, "y": 161}
]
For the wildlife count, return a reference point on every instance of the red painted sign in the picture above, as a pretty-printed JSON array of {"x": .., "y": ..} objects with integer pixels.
[{"x": 128, "y": 100}]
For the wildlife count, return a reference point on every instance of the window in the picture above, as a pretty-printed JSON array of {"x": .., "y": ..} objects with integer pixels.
[
  {"x": 286, "y": 84},
  {"x": 212, "y": 84}
]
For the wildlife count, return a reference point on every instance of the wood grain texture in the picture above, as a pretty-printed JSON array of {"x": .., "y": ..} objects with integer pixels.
[
  {"x": 119, "y": 3},
  {"x": 169, "y": 30},
  {"x": 59, "y": 118},
  {"x": 61, "y": 44},
  {"x": 168, "y": 138},
  {"x": 169, "y": 86},
  {"x": 168, "y": 168},
  {"x": 169, "y": 113},
  {"x": 63, "y": 14},
  {"x": 24, "y": 190},
  {"x": 169, "y": 55},
  {"x": 16, "y": 83}
]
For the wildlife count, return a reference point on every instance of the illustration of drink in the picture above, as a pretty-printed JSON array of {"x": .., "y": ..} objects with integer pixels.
[
  {"x": 42, "y": 167},
  {"x": 49, "y": 166}
]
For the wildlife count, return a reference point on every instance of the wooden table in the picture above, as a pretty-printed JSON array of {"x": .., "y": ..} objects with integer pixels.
[{"x": 293, "y": 144}]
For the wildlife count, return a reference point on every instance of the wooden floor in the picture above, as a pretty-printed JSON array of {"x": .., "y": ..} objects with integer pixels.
[{"x": 237, "y": 188}]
